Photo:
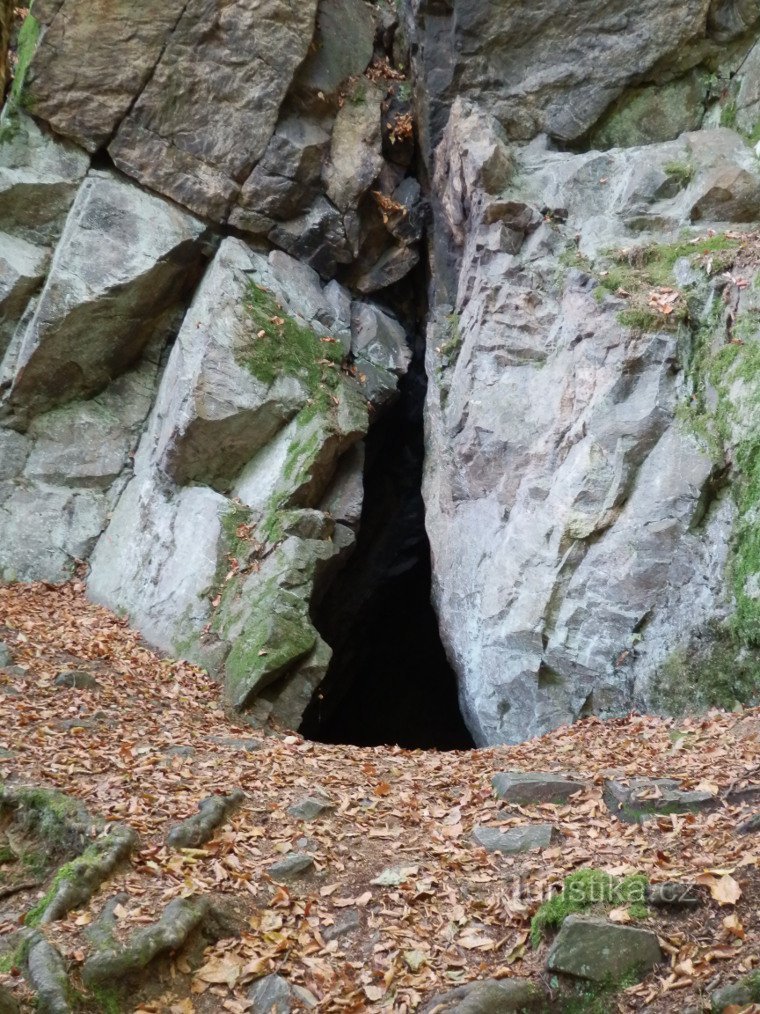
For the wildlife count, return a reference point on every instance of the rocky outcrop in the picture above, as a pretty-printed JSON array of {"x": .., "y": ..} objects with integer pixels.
[
  {"x": 577, "y": 530},
  {"x": 203, "y": 224}
]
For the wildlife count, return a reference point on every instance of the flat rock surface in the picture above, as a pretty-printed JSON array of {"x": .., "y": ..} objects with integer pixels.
[
  {"x": 518, "y": 839},
  {"x": 524, "y": 788},
  {"x": 602, "y": 951}
]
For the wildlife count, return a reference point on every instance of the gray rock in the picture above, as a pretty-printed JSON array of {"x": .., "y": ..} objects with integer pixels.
[
  {"x": 523, "y": 788},
  {"x": 39, "y": 178},
  {"x": 674, "y": 895},
  {"x": 180, "y": 751},
  {"x": 318, "y": 238},
  {"x": 644, "y": 797},
  {"x": 393, "y": 265},
  {"x": 86, "y": 99},
  {"x": 6, "y": 658},
  {"x": 287, "y": 179},
  {"x": 729, "y": 194},
  {"x": 602, "y": 951},
  {"x": 236, "y": 743},
  {"x": 22, "y": 271},
  {"x": 750, "y": 825},
  {"x": 518, "y": 839},
  {"x": 735, "y": 994},
  {"x": 291, "y": 866},
  {"x": 194, "y": 152},
  {"x": 342, "y": 49},
  {"x": 310, "y": 808},
  {"x": 120, "y": 272},
  {"x": 76, "y": 679},
  {"x": 489, "y": 996},
  {"x": 471, "y": 51},
  {"x": 553, "y": 552},
  {"x": 271, "y": 995},
  {"x": 356, "y": 149},
  {"x": 345, "y": 923}
]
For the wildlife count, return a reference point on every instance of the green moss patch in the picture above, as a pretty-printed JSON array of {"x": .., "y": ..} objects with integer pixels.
[
  {"x": 589, "y": 889},
  {"x": 280, "y": 346}
]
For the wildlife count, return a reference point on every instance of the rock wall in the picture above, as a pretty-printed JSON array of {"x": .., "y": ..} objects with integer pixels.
[
  {"x": 593, "y": 406},
  {"x": 207, "y": 215},
  {"x": 196, "y": 206}
]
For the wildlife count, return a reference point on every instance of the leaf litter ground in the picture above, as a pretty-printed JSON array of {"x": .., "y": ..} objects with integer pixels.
[{"x": 153, "y": 741}]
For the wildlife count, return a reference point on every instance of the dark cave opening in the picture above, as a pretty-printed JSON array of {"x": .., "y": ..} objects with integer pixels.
[{"x": 389, "y": 682}]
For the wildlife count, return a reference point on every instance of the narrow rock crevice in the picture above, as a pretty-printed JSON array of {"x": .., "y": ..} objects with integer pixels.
[{"x": 389, "y": 680}]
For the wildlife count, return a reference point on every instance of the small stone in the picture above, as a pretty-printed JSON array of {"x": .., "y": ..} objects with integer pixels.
[
  {"x": 673, "y": 895},
  {"x": 746, "y": 794},
  {"x": 347, "y": 922},
  {"x": 76, "y": 679},
  {"x": 750, "y": 825},
  {"x": 310, "y": 808},
  {"x": 394, "y": 876},
  {"x": 602, "y": 951},
  {"x": 646, "y": 797},
  {"x": 5, "y": 655},
  {"x": 517, "y": 839},
  {"x": 736, "y": 994},
  {"x": 272, "y": 995},
  {"x": 179, "y": 751},
  {"x": 534, "y": 787},
  {"x": 292, "y": 865},
  {"x": 249, "y": 745},
  {"x": 489, "y": 996}
]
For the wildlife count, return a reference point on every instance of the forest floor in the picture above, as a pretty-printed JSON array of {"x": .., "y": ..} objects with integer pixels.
[{"x": 151, "y": 741}]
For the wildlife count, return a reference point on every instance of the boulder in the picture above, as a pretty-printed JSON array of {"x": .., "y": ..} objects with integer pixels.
[
  {"x": 734, "y": 996},
  {"x": 39, "y": 178},
  {"x": 356, "y": 156},
  {"x": 342, "y": 49},
  {"x": 271, "y": 995},
  {"x": 291, "y": 866},
  {"x": 86, "y": 99},
  {"x": 195, "y": 151},
  {"x": 527, "y": 788},
  {"x": 516, "y": 62},
  {"x": 287, "y": 178},
  {"x": 124, "y": 265},
  {"x": 750, "y": 825},
  {"x": 729, "y": 194},
  {"x": 76, "y": 679},
  {"x": 22, "y": 271},
  {"x": 310, "y": 808},
  {"x": 645, "y": 797},
  {"x": 518, "y": 839},
  {"x": 317, "y": 237},
  {"x": 601, "y": 951}
]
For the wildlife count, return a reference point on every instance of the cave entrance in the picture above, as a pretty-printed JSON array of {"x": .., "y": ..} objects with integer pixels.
[{"x": 389, "y": 682}]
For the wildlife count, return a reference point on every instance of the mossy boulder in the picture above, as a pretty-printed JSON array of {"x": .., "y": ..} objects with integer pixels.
[{"x": 602, "y": 951}]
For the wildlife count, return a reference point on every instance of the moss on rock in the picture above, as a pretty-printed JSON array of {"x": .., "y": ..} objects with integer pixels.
[{"x": 587, "y": 890}]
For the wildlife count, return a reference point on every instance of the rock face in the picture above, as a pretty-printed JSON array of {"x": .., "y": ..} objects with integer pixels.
[
  {"x": 209, "y": 218},
  {"x": 579, "y": 538}
]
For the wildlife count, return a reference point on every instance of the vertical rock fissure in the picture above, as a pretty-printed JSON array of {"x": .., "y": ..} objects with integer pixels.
[{"x": 389, "y": 681}]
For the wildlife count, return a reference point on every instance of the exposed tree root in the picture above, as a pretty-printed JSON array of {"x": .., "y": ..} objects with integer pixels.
[
  {"x": 198, "y": 829},
  {"x": 180, "y": 918}
]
